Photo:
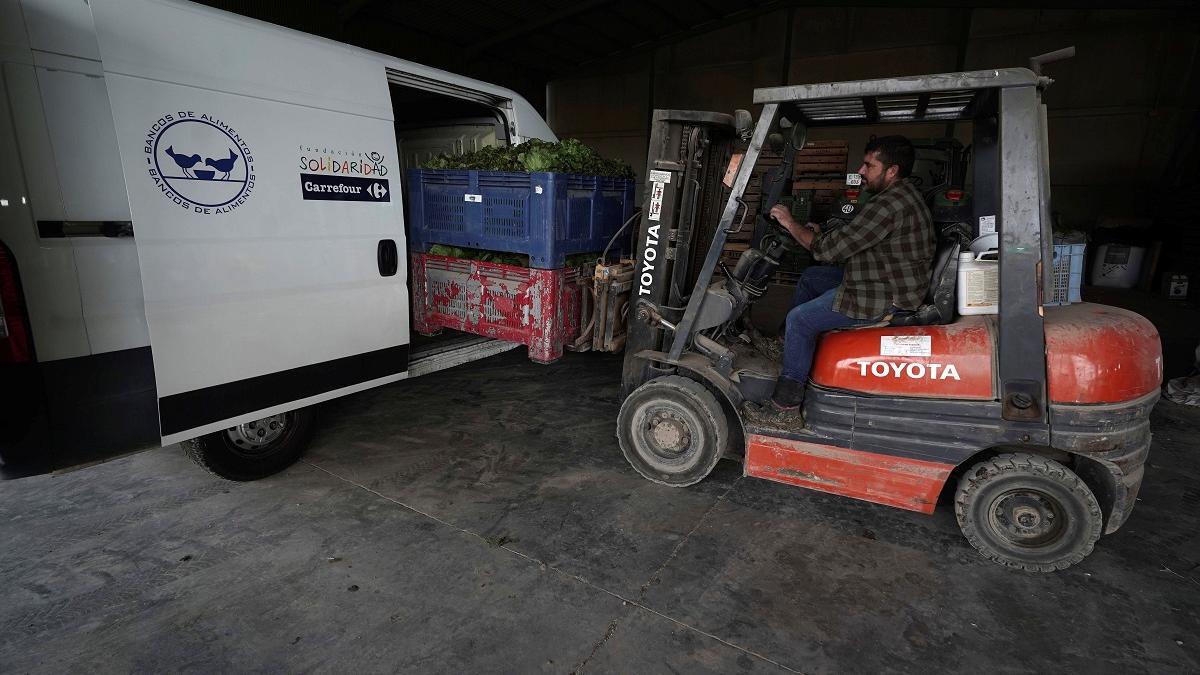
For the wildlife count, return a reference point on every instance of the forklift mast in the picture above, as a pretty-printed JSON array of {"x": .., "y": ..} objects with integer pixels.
[{"x": 686, "y": 163}]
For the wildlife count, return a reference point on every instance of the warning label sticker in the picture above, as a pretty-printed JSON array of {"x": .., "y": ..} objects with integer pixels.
[
  {"x": 732, "y": 169},
  {"x": 656, "y": 201},
  {"x": 906, "y": 345},
  {"x": 987, "y": 225}
]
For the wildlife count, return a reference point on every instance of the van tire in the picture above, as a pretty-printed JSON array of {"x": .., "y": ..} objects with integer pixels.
[{"x": 235, "y": 454}]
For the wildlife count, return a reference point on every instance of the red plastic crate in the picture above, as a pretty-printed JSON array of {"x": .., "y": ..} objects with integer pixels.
[{"x": 538, "y": 308}]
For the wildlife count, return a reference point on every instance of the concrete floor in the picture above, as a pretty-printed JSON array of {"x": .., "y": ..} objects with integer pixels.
[{"x": 483, "y": 520}]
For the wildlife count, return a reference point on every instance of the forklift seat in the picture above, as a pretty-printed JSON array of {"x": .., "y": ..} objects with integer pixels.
[{"x": 938, "y": 307}]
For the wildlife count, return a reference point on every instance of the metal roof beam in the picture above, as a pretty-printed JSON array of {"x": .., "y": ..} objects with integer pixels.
[
  {"x": 603, "y": 32},
  {"x": 700, "y": 27},
  {"x": 350, "y": 8},
  {"x": 675, "y": 21},
  {"x": 534, "y": 26}
]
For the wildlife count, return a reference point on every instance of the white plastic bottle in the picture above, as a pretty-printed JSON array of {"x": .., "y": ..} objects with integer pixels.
[{"x": 978, "y": 283}]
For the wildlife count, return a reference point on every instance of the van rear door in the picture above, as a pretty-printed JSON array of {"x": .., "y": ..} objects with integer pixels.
[{"x": 264, "y": 189}]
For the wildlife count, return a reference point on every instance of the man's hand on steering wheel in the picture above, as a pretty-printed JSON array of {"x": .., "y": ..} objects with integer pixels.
[{"x": 804, "y": 234}]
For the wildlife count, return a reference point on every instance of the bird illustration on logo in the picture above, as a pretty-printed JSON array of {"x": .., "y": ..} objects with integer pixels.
[
  {"x": 223, "y": 165},
  {"x": 185, "y": 162}
]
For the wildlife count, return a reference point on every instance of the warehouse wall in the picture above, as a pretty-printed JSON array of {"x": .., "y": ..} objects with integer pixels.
[{"x": 1118, "y": 111}]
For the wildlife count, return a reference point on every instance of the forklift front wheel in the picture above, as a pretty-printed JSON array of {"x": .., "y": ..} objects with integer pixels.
[
  {"x": 1028, "y": 512},
  {"x": 672, "y": 431}
]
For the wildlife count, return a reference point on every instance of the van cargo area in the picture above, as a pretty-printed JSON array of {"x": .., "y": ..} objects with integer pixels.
[{"x": 431, "y": 123}]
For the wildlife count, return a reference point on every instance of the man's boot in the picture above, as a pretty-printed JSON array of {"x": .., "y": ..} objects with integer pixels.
[{"x": 782, "y": 411}]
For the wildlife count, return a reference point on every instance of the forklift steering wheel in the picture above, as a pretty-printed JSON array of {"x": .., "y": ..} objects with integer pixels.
[{"x": 780, "y": 234}]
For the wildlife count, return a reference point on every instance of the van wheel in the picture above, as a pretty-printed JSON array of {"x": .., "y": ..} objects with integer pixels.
[
  {"x": 1028, "y": 512},
  {"x": 672, "y": 431},
  {"x": 255, "y": 449}
]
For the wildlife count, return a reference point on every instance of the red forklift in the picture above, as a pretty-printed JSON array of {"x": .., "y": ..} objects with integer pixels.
[{"x": 1034, "y": 421}]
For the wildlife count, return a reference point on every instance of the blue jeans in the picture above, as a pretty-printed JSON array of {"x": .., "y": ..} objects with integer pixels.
[
  {"x": 815, "y": 281},
  {"x": 812, "y": 313}
]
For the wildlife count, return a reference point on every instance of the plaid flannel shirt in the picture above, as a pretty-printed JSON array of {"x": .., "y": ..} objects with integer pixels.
[{"x": 887, "y": 251}]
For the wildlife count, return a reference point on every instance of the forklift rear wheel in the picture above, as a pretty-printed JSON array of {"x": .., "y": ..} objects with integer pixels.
[
  {"x": 672, "y": 431},
  {"x": 256, "y": 449},
  {"x": 1028, "y": 512}
]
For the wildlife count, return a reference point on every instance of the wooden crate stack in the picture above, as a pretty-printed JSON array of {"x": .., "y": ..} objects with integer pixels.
[
  {"x": 753, "y": 196},
  {"x": 820, "y": 166}
]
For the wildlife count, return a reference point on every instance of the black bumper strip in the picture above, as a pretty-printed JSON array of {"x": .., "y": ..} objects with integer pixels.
[{"x": 191, "y": 409}]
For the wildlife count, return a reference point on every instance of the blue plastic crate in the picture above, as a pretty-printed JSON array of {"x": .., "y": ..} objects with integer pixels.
[
  {"x": 1068, "y": 273},
  {"x": 547, "y": 216}
]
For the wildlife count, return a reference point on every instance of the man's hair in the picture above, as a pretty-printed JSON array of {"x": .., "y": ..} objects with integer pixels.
[{"x": 893, "y": 151}]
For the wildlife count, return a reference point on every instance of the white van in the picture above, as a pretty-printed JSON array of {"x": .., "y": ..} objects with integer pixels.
[{"x": 202, "y": 225}]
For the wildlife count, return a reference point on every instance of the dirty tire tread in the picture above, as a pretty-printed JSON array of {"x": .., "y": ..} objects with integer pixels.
[
  {"x": 1035, "y": 465},
  {"x": 210, "y": 453},
  {"x": 704, "y": 401},
  {"x": 194, "y": 449}
]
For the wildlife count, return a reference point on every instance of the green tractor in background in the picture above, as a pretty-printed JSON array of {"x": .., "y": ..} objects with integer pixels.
[{"x": 941, "y": 175}]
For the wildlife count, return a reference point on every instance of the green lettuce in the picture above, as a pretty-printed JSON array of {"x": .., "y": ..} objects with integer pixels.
[{"x": 568, "y": 156}]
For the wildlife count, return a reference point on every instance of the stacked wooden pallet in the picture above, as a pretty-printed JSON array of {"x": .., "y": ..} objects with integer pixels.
[
  {"x": 822, "y": 161},
  {"x": 753, "y": 196},
  {"x": 818, "y": 181},
  {"x": 820, "y": 167}
]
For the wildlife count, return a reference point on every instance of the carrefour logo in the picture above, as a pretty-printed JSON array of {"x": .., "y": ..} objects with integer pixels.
[{"x": 199, "y": 162}]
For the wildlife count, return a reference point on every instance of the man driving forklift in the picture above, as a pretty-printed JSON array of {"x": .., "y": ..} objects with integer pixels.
[
  {"x": 1033, "y": 421},
  {"x": 874, "y": 267}
]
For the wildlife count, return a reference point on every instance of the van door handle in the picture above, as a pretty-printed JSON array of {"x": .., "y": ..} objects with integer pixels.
[{"x": 387, "y": 257}]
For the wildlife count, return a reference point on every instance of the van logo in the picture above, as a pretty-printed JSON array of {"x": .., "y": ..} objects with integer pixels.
[
  {"x": 199, "y": 162},
  {"x": 330, "y": 174}
]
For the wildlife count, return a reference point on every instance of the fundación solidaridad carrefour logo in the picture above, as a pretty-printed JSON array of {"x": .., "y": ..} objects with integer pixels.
[{"x": 199, "y": 162}]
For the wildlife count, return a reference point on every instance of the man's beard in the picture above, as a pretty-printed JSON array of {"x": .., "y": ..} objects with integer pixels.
[{"x": 875, "y": 186}]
